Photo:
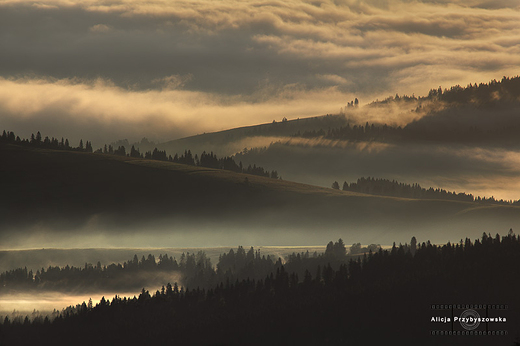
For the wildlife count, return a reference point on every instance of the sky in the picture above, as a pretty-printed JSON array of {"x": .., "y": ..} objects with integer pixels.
[{"x": 108, "y": 70}]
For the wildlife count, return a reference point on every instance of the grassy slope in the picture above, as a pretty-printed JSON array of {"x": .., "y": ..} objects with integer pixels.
[
  {"x": 65, "y": 190},
  {"x": 230, "y": 141}
]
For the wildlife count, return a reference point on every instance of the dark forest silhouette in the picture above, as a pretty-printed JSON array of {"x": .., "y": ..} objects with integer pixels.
[
  {"x": 310, "y": 299},
  {"x": 496, "y": 95},
  {"x": 488, "y": 94},
  {"x": 385, "y": 187},
  {"x": 88, "y": 278},
  {"x": 209, "y": 160},
  {"x": 46, "y": 143}
]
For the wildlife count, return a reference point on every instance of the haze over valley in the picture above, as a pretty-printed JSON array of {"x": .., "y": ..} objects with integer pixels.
[{"x": 258, "y": 172}]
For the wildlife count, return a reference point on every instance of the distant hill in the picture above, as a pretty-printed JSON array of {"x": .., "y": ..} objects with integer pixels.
[
  {"x": 489, "y": 94},
  {"x": 64, "y": 197},
  {"x": 461, "y": 138},
  {"x": 230, "y": 141},
  {"x": 485, "y": 112},
  {"x": 484, "y": 115}
]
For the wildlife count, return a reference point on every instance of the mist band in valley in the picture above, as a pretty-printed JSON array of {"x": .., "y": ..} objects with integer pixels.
[{"x": 305, "y": 297}]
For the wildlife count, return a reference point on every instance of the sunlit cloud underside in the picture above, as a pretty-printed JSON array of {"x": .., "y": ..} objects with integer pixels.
[{"x": 104, "y": 70}]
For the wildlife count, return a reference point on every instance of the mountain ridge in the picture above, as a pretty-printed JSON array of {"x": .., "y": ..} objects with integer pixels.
[{"x": 73, "y": 193}]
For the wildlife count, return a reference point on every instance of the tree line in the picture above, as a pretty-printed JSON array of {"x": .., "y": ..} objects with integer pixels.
[
  {"x": 505, "y": 92},
  {"x": 91, "y": 277},
  {"x": 340, "y": 300},
  {"x": 45, "y": 143},
  {"x": 386, "y": 187},
  {"x": 209, "y": 160},
  {"x": 194, "y": 269},
  {"x": 368, "y": 132},
  {"x": 414, "y": 132}
]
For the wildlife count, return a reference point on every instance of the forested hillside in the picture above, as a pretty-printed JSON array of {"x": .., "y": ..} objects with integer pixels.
[
  {"x": 385, "y": 187},
  {"x": 483, "y": 113},
  {"x": 74, "y": 194},
  {"x": 325, "y": 299}
]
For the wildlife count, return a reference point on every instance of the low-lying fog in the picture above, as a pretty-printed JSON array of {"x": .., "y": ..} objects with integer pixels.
[
  {"x": 367, "y": 220},
  {"x": 35, "y": 304},
  {"x": 480, "y": 171},
  {"x": 43, "y": 258},
  {"x": 43, "y": 303}
]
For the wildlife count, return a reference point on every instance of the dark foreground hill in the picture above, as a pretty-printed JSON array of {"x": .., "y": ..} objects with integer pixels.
[
  {"x": 73, "y": 194},
  {"x": 409, "y": 295}
]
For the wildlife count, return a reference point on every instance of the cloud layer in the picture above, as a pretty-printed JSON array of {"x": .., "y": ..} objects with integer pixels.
[
  {"x": 101, "y": 112},
  {"x": 175, "y": 68}
]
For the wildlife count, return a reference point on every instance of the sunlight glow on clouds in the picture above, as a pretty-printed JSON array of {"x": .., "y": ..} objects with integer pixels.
[
  {"x": 197, "y": 66},
  {"x": 100, "y": 111}
]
